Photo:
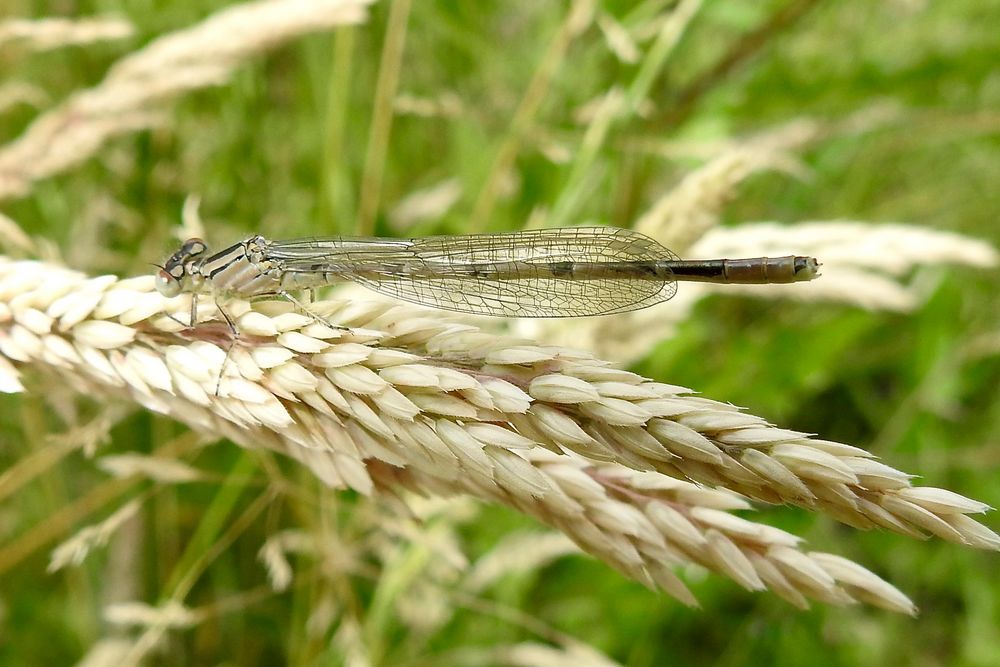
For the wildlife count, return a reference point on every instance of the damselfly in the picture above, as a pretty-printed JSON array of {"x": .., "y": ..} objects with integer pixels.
[{"x": 569, "y": 272}]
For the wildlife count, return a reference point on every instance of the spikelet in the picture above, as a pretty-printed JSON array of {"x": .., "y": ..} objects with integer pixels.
[{"x": 405, "y": 398}]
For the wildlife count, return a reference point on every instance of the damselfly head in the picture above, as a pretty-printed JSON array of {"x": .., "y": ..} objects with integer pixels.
[
  {"x": 166, "y": 284},
  {"x": 170, "y": 279}
]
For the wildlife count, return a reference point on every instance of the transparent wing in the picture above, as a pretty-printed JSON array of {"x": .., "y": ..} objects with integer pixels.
[{"x": 438, "y": 271}]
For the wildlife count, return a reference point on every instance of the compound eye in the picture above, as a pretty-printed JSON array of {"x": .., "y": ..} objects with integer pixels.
[
  {"x": 166, "y": 284},
  {"x": 193, "y": 246}
]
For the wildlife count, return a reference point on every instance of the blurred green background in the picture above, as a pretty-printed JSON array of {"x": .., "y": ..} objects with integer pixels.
[{"x": 282, "y": 150}]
